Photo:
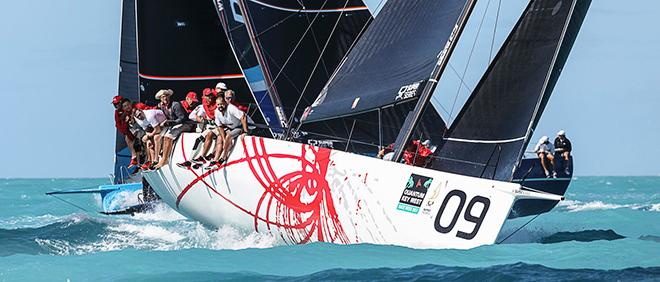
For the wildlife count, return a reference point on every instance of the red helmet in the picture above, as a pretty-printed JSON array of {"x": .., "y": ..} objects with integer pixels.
[{"x": 117, "y": 99}]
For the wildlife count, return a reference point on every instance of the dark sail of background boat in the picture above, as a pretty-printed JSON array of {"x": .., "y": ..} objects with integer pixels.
[
  {"x": 491, "y": 132},
  {"x": 239, "y": 38},
  {"x": 299, "y": 44},
  {"x": 128, "y": 81}
]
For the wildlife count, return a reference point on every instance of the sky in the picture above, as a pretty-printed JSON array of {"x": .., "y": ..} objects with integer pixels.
[{"x": 59, "y": 72}]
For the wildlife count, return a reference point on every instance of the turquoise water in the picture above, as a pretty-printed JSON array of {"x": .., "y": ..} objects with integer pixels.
[{"x": 44, "y": 239}]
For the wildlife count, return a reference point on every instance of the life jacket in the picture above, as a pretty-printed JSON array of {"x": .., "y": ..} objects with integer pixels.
[
  {"x": 186, "y": 106},
  {"x": 418, "y": 155},
  {"x": 120, "y": 122},
  {"x": 209, "y": 109}
]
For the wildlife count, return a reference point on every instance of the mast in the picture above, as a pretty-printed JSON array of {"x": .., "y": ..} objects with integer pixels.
[{"x": 413, "y": 119}]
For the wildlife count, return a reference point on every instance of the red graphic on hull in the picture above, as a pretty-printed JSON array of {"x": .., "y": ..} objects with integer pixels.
[{"x": 302, "y": 201}]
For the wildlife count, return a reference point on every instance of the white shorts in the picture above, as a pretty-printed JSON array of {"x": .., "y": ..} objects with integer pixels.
[{"x": 174, "y": 131}]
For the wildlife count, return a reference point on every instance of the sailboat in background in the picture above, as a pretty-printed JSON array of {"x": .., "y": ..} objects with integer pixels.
[{"x": 303, "y": 193}]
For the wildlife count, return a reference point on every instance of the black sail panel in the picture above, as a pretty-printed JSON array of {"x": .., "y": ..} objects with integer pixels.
[
  {"x": 182, "y": 46},
  {"x": 234, "y": 25},
  {"x": 489, "y": 135},
  {"x": 300, "y": 44},
  {"x": 392, "y": 60},
  {"x": 364, "y": 133},
  {"x": 128, "y": 80}
]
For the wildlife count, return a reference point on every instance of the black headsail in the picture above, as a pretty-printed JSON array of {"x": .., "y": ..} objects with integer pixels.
[
  {"x": 490, "y": 134},
  {"x": 399, "y": 57},
  {"x": 234, "y": 25},
  {"x": 128, "y": 80},
  {"x": 182, "y": 46},
  {"x": 299, "y": 44}
]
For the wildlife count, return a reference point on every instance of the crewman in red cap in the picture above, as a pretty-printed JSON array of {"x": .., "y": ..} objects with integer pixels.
[
  {"x": 204, "y": 115},
  {"x": 190, "y": 102},
  {"x": 121, "y": 123}
]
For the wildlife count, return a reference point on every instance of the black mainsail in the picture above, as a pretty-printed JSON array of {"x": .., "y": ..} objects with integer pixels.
[
  {"x": 182, "y": 46},
  {"x": 490, "y": 134},
  {"x": 128, "y": 81},
  {"x": 397, "y": 59},
  {"x": 299, "y": 44}
]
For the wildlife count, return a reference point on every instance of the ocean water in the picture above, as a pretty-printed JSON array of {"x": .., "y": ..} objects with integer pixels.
[{"x": 607, "y": 229}]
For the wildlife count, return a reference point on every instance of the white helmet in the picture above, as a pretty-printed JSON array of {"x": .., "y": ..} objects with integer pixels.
[{"x": 561, "y": 133}]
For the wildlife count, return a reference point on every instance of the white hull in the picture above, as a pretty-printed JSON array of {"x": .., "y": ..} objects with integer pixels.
[{"x": 302, "y": 193}]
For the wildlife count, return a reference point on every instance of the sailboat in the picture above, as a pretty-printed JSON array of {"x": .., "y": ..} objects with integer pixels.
[{"x": 304, "y": 193}]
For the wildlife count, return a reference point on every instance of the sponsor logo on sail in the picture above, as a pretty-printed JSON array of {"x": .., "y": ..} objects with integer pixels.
[{"x": 407, "y": 91}]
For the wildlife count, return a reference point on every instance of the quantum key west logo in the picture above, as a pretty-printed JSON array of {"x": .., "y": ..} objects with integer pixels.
[{"x": 414, "y": 193}]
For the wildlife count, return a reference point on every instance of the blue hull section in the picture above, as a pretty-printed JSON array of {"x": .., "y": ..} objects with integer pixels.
[
  {"x": 119, "y": 196},
  {"x": 531, "y": 175}
]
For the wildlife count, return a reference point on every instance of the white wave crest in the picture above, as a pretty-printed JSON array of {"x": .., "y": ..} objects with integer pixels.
[
  {"x": 578, "y": 206},
  {"x": 125, "y": 199},
  {"x": 655, "y": 207},
  {"x": 160, "y": 212}
]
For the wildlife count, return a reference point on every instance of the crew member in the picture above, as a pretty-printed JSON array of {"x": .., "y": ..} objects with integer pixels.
[
  {"x": 416, "y": 154},
  {"x": 150, "y": 120},
  {"x": 563, "y": 148},
  {"x": 204, "y": 115},
  {"x": 545, "y": 150},
  {"x": 231, "y": 123},
  {"x": 121, "y": 123},
  {"x": 176, "y": 124}
]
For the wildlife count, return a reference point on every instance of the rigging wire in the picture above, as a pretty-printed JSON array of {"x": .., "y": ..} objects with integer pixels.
[
  {"x": 309, "y": 79},
  {"x": 302, "y": 37},
  {"x": 492, "y": 42},
  {"x": 467, "y": 64},
  {"x": 519, "y": 228},
  {"x": 70, "y": 203}
]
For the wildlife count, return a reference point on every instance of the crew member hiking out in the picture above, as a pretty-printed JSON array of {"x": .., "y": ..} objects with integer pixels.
[
  {"x": 176, "y": 123},
  {"x": 545, "y": 150},
  {"x": 150, "y": 121},
  {"x": 204, "y": 115},
  {"x": 231, "y": 123},
  {"x": 563, "y": 148},
  {"x": 122, "y": 116}
]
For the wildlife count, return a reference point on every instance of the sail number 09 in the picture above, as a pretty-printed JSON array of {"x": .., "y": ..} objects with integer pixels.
[{"x": 467, "y": 215}]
